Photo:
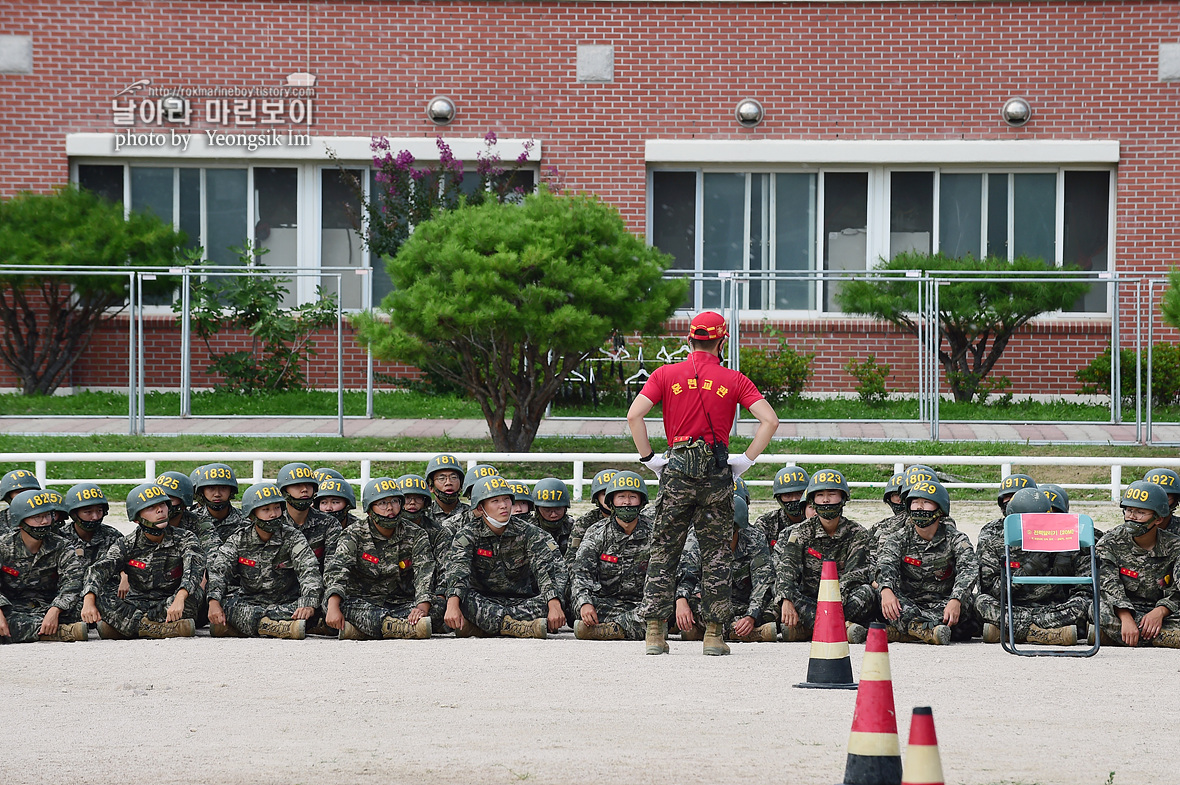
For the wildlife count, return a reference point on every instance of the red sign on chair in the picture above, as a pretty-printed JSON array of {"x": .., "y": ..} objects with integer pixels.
[{"x": 1052, "y": 532}]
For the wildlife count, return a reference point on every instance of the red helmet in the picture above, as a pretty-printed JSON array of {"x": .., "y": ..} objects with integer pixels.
[{"x": 708, "y": 326}]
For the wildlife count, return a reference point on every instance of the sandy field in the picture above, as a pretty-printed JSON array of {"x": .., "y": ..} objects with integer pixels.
[{"x": 562, "y": 711}]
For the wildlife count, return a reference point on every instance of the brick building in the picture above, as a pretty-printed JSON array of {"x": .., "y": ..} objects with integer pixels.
[{"x": 735, "y": 135}]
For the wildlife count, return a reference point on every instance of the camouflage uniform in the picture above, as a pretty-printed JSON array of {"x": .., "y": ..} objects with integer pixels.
[
  {"x": 579, "y": 528},
  {"x": 513, "y": 574},
  {"x": 252, "y": 579},
  {"x": 799, "y": 560},
  {"x": 882, "y": 529},
  {"x": 1045, "y": 605},
  {"x": 1137, "y": 580},
  {"x": 775, "y": 525},
  {"x": 751, "y": 581},
  {"x": 926, "y": 575},
  {"x": 203, "y": 528},
  {"x": 32, "y": 583},
  {"x": 439, "y": 514},
  {"x": 155, "y": 572},
  {"x": 5, "y": 523},
  {"x": 560, "y": 531},
  {"x": 376, "y": 576},
  {"x": 609, "y": 571},
  {"x": 322, "y": 532},
  {"x": 225, "y": 527},
  {"x": 440, "y": 537},
  {"x": 706, "y": 505}
]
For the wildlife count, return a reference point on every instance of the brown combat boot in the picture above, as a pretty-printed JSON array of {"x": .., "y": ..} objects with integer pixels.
[
  {"x": 1055, "y": 636},
  {"x": 350, "y": 633},
  {"x": 766, "y": 633},
  {"x": 287, "y": 629},
  {"x": 604, "y": 631},
  {"x": 1167, "y": 639},
  {"x": 939, "y": 635},
  {"x": 224, "y": 631},
  {"x": 471, "y": 630},
  {"x": 796, "y": 634},
  {"x": 991, "y": 632},
  {"x": 535, "y": 628},
  {"x": 694, "y": 633},
  {"x": 68, "y": 633},
  {"x": 109, "y": 633},
  {"x": 181, "y": 628},
  {"x": 857, "y": 633},
  {"x": 715, "y": 645},
  {"x": 401, "y": 628},
  {"x": 657, "y": 637}
]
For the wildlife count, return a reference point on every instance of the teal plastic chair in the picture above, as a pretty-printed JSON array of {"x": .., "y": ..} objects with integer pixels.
[{"x": 1014, "y": 526}]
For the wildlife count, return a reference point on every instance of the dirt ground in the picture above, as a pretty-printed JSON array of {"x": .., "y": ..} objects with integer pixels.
[{"x": 562, "y": 711}]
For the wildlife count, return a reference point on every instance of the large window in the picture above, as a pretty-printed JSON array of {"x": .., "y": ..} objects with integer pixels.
[{"x": 837, "y": 219}]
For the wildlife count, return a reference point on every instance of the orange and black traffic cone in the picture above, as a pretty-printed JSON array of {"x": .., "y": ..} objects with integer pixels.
[
  {"x": 829, "y": 667},
  {"x": 874, "y": 753},
  {"x": 923, "y": 766}
]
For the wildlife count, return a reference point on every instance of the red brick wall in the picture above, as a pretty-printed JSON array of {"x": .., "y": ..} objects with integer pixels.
[{"x": 822, "y": 71}]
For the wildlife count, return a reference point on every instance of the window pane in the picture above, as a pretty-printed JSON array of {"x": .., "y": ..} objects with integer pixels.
[
  {"x": 960, "y": 214},
  {"x": 794, "y": 239},
  {"x": 724, "y": 230},
  {"x": 1086, "y": 237},
  {"x": 1034, "y": 216},
  {"x": 151, "y": 191},
  {"x": 997, "y": 215},
  {"x": 911, "y": 212},
  {"x": 673, "y": 220},
  {"x": 382, "y": 285},
  {"x": 104, "y": 180},
  {"x": 225, "y": 214},
  {"x": 341, "y": 244},
  {"x": 846, "y": 220},
  {"x": 190, "y": 206},
  {"x": 276, "y": 228},
  {"x": 759, "y": 251}
]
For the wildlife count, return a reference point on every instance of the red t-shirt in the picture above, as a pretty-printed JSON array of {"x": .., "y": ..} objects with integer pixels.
[{"x": 719, "y": 392}]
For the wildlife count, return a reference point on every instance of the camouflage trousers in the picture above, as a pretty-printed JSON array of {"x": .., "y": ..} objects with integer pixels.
[
  {"x": 367, "y": 616},
  {"x": 859, "y": 602},
  {"x": 243, "y": 612},
  {"x": 1047, "y": 615},
  {"x": 1109, "y": 622},
  {"x": 707, "y": 506},
  {"x": 488, "y": 613},
  {"x": 438, "y": 609},
  {"x": 124, "y": 615},
  {"x": 928, "y": 610},
  {"x": 624, "y": 613},
  {"x": 767, "y": 616},
  {"x": 24, "y": 624}
]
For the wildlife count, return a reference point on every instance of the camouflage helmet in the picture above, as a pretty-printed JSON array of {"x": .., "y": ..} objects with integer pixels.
[
  {"x": 915, "y": 474},
  {"x": 741, "y": 513},
  {"x": 337, "y": 488},
  {"x": 295, "y": 474},
  {"x": 520, "y": 491},
  {"x": 1029, "y": 500},
  {"x": 932, "y": 490},
  {"x": 626, "y": 481},
  {"x": 260, "y": 494},
  {"x": 1147, "y": 496},
  {"x": 326, "y": 471},
  {"x": 895, "y": 484},
  {"x": 551, "y": 492},
  {"x": 18, "y": 480},
  {"x": 601, "y": 480},
  {"x": 741, "y": 489},
  {"x": 31, "y": 502},
  {"x": 1013, "y": 483},
  {"x": 215, "y": 474},
  {"x": 826, "y": 480},
  {"x": 414, "y": 485},
  {"x": 195, "y": 475},
  {"x": 489, "y": 487},
  {"x": 1166, "y": 479},
  {"x": 440, "y": 462},
  {"x": 144, "y": 496},
  {"x": 1058, "y": 498},
  {"x": 86, "y": 494},
  {"x": 381, "y": 488},
  {"x": 58, "y": 501},
  {"x": 790, "y": 479},
  {"x": 477, "y": 472},
  {"x": 178, "y": 485}
]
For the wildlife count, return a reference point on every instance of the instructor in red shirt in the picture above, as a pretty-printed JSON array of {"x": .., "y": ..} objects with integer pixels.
[{"x": 700, "y": 400}]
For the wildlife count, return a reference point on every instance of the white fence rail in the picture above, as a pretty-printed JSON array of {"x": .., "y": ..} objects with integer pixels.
[{"x": 155, "y": 462}]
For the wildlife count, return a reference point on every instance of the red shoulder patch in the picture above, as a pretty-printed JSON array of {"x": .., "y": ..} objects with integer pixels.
[
  {"x": 11, "y": 571},
  {"x": 370, "y": 558},
  {"x": 137, "y": 564},
  {"x": 247, "y": 562},
  {"x": 484, "y": 552},
  {"x": 1128, "y": 573},
  {"x": 815, "y": 553},
  {"x": 606, "y": 557},
  {"x": 913, "y": 561}
]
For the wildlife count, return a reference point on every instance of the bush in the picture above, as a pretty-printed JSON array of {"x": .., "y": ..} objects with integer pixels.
[
  {"x": 870, "y": 378},
  {"x": 780, "y": 374},
  {"x": 1165, "y": 375}
]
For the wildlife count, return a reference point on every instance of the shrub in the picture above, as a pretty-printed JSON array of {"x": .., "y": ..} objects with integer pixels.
[
  {"x": 780, "y": 374},
  {"x": 1165, "y": 375},
  {"x": 870, "y": 378}
]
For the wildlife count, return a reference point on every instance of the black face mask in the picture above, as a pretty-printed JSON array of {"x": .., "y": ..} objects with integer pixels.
[
  {"x": 549, "y": 526},
  {"x": 150, "y": 528},
  {"x": 1003, "y": 507},
  {"x": 384, "y": 521},
  {"x": 271, "y": 526},
  {"x": 216, "y": 506},
  {"x": 793, "y": 509},
  {"x": 412, "y": 517},
  {"x": 340, "y": 515},
  {"x": 446, "y": 498},
  {"x": 174, "y": 511},
  {"x": 36, "y": 532},
  {"x": 89, "y": 526},
  {"x": 923, "y": 518},
  {"x": 897, "y": 507},
  {"x": 298, "y": 504},
  {"x": 626, "y": 513},
  {"x": 829, "y": 511}
]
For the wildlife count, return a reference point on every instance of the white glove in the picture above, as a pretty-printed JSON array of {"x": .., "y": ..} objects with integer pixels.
[
  {"x": 656, "y": 463},
  {"x": 739, "y": 463}
]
